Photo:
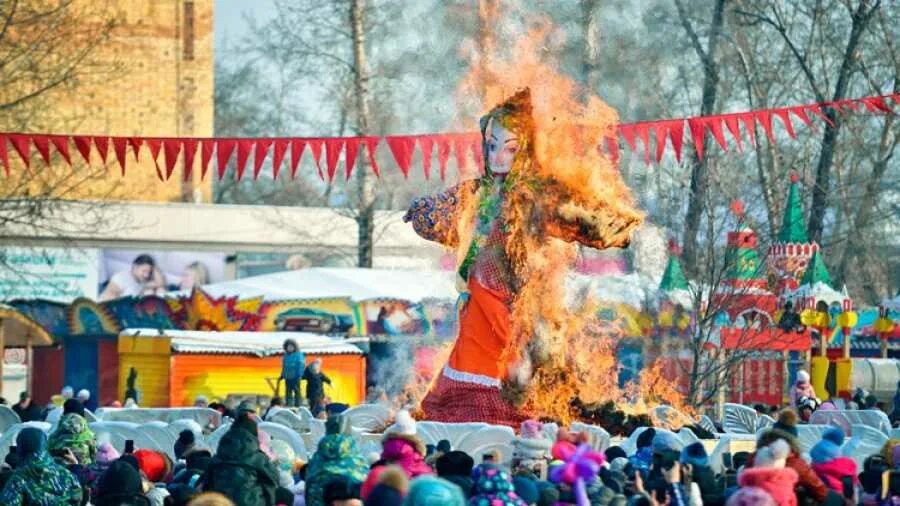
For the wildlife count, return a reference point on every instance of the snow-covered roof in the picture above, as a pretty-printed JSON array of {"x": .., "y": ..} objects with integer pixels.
[
  {"x": 261, "y": 344},
  {"x": 332, "y": 282},
  {"x": 632, "y": 289},
  {"x": 819, "y": 291}
]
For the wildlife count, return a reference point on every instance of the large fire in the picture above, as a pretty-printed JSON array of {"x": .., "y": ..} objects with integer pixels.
[{"x": 559, "y": 353}]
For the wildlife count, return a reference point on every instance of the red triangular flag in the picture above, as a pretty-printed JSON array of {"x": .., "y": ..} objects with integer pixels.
[
  {"x": 350, "y": 156},
  {"x": 815, "y": 109},
  {"x": 660, "y": 129},
  {"x": 443, "y": 153},
  {"x": 42, "y": 143},
  {"x": 206, "y": 151},
  {"x": 426, "y": 146},
  {"x": 333, "y": 148},
  {"x": 244, "y": 147},
  {"x": 786, "y": 119},
  {"x": 876, "y": 104},
  {"x": 372, "y": 150},
  {"x": 643, "y": 131},
  {"x": 278, "y": 152},
  {"x": 849, "y": 105},
  {"x": 102, "y": 144},
  {"x": 259, "y": 156},
  {"x": 627, "y": 132},
  {"x": 189, "y": 147},
  {"x": 297, "y": 146},
  {"x": 315, "y": 147},
  {"x": 120, "y": 144},
  {"x": 61, "y": 142},
  {"x": 731, "y": 123},
  {"x": 224, "y": 149},
  {"x": 714, "y": 124},
  {"x": 698, "y": 135},
  {"x": 765, "y": 120},
  {"x": 83, "y": 145},
  {"x": 402, "y": 147},
  {"x": 4, "y": 155},
  {"x": 749, "y": 122},
  {"x": 135, "y": 146},
  {"x": 676, "y": 135},
  {"x": 612, "y": 147},
  {"x": 22, "y": 145},
  {"x": 154, "y": 145},
  {"x": 171, "y": 147}
]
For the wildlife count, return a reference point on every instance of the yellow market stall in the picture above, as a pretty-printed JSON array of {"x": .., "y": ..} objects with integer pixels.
[{"x": 173, "y": 367}]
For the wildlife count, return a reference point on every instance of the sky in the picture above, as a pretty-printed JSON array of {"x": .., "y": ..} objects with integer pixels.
[{"x": 228, "y": 20}]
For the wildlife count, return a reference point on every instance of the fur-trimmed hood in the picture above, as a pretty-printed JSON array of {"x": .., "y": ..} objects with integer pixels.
[
  {"x": 406, "y": 451},
  {"x": 417, "y": 444},
  {"x": 778, "y": 482}
]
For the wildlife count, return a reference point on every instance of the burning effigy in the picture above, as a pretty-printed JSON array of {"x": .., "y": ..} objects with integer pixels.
[{"x": 520, "y": 351}]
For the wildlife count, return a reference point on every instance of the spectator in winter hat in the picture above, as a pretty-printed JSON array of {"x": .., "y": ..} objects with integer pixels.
[
  {"x": 694, "y": 455},
  {"x": 67, "y": 392},
  {"x": 770, "y": 474},
  {"x": 120, "y": 485},
  {"x": 73, "y": 406},
  {"x": 750, "y": 496},
  {"x": 494, "y": 487},
  {"x": 614, "y": 452},
  {"x": 802, "y": 388},
  {"x": 402, "y": 447},
  {"x": 786, "y": 428},
  {"x": 828, "y": 463},
  {"x": 336, "y": 455},
  {"x": 73, "y": 434},
  {"x": 642, "y": 459},
  {"x": 106, "y": 455},
  {"x": 37, "y": 479},
  {"x": 428, "y": 490},
  {"x": 211, "y": 499},
  {"x": 240, "y": 470},
  {"x": 185, "y": 442},
  {"x": 456, "y": 467},
  {"x": 156, "y": 466},
  {"x": 342, "y": 491},
  {"x": 666, "y": 441},
  {"x": 388, "y": 487}
]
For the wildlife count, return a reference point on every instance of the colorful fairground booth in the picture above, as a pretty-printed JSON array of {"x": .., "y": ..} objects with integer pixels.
[
  {"x": 19, "y": 335},
  {"x": 173, "y": 367},
  {"x": 331, "y": 302}
]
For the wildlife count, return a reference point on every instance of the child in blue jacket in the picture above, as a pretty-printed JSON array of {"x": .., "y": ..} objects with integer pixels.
[{"x": 292, "y": 366}]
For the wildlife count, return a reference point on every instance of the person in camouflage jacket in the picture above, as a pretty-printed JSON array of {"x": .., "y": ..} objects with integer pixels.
[{"x": 37, "y": 480}]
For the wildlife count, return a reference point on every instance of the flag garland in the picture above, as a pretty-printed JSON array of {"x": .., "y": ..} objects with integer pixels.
[{"x": 653, "y": 137}]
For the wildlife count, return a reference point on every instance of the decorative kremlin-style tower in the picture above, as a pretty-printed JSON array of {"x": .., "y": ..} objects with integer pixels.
[{"x": 790, "y": 255}]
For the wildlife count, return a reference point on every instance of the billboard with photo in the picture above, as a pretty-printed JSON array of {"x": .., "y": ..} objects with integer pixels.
[{"x": 139, "y": 272}]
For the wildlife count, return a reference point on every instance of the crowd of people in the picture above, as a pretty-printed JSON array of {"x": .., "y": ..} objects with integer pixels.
[{"x": 69, "y": 466}]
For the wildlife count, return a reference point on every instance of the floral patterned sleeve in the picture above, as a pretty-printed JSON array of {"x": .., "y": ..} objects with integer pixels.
[{"x": 433, "y": 217}]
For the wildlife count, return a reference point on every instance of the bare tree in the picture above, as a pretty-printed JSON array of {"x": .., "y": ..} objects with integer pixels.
[{"x": 48, "y": 50}]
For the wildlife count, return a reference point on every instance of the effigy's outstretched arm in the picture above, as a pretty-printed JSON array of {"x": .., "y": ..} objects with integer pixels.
[
  {"x": 598, "y": 224},
  {"x": 434, "y": 217}
]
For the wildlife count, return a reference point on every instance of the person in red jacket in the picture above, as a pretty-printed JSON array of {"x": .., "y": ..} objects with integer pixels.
[
  {"x": 828, "y": 463},
  {"x": 770, "y": 474},
  {"x": 786, "y": 428}
]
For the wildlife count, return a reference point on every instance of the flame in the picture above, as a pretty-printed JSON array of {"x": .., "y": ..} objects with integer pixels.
[
  {"x": 423, "y": 378},
  {"x": 558, "y": 354}
]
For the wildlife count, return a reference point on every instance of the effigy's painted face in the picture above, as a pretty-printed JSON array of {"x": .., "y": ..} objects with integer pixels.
[{"x": 502, "y": 146}]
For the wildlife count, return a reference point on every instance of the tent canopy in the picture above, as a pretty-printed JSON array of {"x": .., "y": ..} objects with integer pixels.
[
  {"x": 18, "y": 330},
  {"x": 261, "y": 344},
  {"x": 332, "y": 282}
]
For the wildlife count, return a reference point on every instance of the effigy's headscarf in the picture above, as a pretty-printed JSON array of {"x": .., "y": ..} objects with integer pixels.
[{"x": 73, "y": 433}]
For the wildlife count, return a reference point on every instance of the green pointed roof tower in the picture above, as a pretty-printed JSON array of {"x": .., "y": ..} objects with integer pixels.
[
  {"x": 793, "y": 226},
  {"x": 816, "y": 272},
  {"x": 673, "y": 278}
]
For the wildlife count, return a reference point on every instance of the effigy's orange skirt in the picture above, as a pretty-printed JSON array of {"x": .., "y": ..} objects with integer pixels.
[{"x": 468, "y": 389}]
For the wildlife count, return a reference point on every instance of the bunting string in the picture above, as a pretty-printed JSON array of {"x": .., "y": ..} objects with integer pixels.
[{"x": 654, "y": 138}]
